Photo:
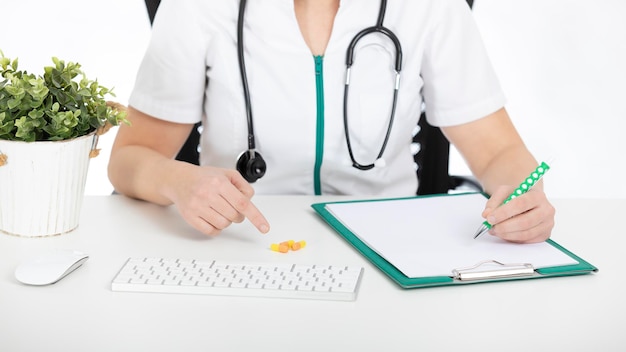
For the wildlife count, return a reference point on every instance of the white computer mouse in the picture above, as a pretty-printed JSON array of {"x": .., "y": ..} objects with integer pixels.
[{"x": 49, "y": 267}]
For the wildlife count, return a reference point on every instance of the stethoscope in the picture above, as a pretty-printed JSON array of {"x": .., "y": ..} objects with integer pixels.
[{"x": 251, "y": 164}]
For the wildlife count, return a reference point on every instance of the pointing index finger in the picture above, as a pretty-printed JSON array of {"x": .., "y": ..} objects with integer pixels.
[
  {"x": 242, "y": 192},
  {"x": 244, "y": 206},
  {"x": 255, "y": 216}
]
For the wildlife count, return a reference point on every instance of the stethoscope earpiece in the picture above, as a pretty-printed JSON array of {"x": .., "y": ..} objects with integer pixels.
[{"x": 251, "y": 165}]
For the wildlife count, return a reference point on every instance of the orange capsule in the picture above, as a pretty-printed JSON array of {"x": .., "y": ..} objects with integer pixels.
[
  {"x": 279, "y": 247},
  {"x": 298, "y": 245},
  {"x": 288, "y": 243}
]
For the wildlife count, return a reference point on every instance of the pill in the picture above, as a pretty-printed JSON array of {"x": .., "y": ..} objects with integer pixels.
[
  {"x": 279, "y": 247},
  {"x": 298, "y": 245},
  {"x": 289, "y": 243}
]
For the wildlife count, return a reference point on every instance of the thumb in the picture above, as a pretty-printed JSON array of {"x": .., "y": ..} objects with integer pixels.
[{"x": 496, "y": 199}]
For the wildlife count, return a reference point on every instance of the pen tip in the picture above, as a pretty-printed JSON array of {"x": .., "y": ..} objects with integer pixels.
[{"x": 482, "y": 229}]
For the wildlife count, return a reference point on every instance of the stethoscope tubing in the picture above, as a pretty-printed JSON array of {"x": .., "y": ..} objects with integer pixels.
[
  {"x": 244, "y": 78},
  {"x": 378, "y": 28}
]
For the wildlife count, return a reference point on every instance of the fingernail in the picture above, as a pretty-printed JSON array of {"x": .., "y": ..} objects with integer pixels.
[
  {"x": 491, "y": 219},
  {"x": 264, "y": 228}
]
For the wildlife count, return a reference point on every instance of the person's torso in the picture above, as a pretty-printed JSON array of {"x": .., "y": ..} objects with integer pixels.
[{"x": 297, "y": 100}]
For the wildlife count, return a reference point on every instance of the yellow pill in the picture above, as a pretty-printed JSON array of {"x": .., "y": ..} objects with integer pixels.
[{"x": 298, "y": 245}]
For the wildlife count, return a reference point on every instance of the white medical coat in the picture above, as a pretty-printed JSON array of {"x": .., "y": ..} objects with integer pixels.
[{"x": 190, "y": 73}]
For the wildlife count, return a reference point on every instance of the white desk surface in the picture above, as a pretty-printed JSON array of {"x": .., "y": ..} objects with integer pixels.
[{"x": 81, "y": 313}]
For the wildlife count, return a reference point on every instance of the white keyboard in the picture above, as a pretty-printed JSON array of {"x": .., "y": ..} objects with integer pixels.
[{"x": 337, "y": 283}]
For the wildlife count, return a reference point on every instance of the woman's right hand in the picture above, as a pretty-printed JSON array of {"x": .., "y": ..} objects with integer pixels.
[
  {"x": 211, "y": 199},
  {"x": 142, "y": 166}
]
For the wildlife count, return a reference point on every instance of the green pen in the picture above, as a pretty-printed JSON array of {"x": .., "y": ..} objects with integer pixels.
[{"x": 524, "y": 187}]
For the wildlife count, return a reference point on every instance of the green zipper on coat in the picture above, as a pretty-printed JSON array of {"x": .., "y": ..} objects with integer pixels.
[{"x": 319, "y": 137}]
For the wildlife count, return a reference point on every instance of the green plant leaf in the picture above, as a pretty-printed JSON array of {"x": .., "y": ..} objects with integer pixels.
[{"x": 60, "y": 104}]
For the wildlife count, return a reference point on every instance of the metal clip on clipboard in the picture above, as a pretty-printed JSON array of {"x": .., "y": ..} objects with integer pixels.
[{"x": 485, "y": 271}]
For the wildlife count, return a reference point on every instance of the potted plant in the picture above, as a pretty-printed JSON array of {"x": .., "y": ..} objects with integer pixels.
[{"x": 49, "y": 128}]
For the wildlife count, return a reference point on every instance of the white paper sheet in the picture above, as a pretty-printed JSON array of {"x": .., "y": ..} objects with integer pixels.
[{"x": 431, "y": 236}]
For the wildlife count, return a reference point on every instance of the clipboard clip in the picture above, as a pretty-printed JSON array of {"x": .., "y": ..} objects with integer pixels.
[{"x": 485, "y": 270}]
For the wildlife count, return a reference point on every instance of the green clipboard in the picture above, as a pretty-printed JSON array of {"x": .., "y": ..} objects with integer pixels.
[{"x": 502, "y": 271}]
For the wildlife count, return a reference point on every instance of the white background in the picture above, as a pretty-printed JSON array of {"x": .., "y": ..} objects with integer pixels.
[{"x": 562, "y": 64}]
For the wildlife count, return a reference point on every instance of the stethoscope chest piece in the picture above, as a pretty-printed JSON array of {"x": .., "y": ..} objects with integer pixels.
[{"x": 251, "y": 165}]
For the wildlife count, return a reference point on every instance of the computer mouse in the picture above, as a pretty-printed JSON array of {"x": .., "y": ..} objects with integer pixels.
[{"x": 49, "y": 267}]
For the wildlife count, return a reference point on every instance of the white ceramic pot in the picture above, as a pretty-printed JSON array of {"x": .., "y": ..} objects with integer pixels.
[{"x": 42, "y": 185}]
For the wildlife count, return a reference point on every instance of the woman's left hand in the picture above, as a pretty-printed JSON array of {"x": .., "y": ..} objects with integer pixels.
[{"x": 528, "y": 218}]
